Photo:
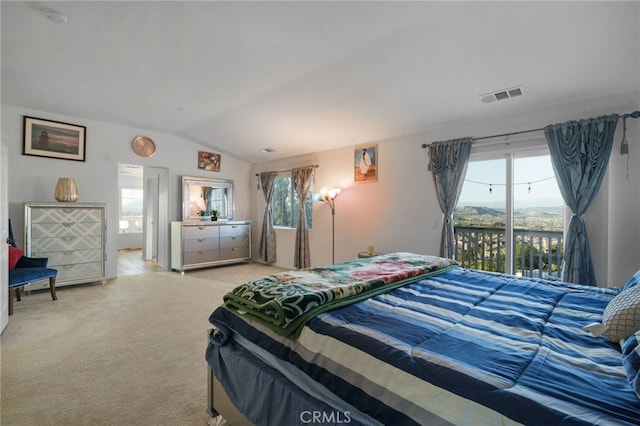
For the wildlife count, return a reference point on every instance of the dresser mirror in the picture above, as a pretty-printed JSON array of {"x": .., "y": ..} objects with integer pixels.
[{"x": 205, "y": 195}]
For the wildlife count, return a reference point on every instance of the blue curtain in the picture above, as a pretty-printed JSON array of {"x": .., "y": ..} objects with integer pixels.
[
  {"x": 448, "y": 162},
  {"x": 580, "y": 153}
]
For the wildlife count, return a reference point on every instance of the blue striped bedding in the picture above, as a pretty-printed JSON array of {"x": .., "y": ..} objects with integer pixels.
[{"x": 463, "y": 347}]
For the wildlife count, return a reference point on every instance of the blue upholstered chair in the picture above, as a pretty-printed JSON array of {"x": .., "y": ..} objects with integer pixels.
[{"x": 28, "y": 270}]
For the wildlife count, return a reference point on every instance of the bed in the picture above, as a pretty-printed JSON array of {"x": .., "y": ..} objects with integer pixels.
[{"x": 410, "y": 339}]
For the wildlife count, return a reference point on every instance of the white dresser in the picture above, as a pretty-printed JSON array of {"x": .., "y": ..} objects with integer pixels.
[
  {"x": 202, "y": 244},
  {"x": 72, "y": 236}
]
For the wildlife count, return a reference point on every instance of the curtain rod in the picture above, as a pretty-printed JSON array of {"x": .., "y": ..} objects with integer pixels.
[
  {"x": 635, "y": 114},
  {"x": 315, "y": 166}
]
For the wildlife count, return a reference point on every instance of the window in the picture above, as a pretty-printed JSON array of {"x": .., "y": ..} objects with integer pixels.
[
  {"x": 510, "y": 216},
  {"x": 285, "y": 203},
  {"x": 131, "y": 210}
]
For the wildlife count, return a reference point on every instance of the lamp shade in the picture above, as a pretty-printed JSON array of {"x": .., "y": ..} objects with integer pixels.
[{"x": 66, "y": 190}]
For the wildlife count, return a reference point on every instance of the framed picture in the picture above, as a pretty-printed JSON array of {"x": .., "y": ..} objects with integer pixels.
[
  {"x": 366, "y": 163},
  {"x": 208, "y": 161},
  {"x": 46, "y": 138}
]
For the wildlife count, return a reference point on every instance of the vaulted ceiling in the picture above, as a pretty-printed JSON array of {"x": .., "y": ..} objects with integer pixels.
[{"x": 309, "y": 76}]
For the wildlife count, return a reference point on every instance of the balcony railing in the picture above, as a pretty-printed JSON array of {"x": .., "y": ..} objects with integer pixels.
[{"x": 536, "y": 253}]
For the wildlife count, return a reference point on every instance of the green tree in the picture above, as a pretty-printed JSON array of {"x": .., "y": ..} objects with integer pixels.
[{"x": 281, "y": 203}]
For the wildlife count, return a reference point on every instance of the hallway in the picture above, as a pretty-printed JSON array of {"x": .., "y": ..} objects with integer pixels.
[{"x": 130, "y": 263}]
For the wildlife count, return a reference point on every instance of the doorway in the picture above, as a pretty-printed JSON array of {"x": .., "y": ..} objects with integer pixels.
[
  {"x": 510, "y": 217},
  {"x": 143, "y": 218}
]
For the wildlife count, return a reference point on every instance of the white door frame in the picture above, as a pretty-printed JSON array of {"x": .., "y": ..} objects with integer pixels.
[
  {"x": 4, "y": 235},
  {"x": 155, "y": 229},
  {"x": 150, "y": 218}
]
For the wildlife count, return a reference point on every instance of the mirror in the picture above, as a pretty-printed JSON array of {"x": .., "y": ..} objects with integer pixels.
[{"x": 205, "y": 195}]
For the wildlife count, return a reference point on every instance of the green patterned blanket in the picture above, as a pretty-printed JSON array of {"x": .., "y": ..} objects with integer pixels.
[{"x": 286, "y": 301}]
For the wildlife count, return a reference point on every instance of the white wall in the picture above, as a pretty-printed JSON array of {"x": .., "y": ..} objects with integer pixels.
[
  {"x": 397, "y": 213},
  {"x": 400, "y": 211},
  {"x": 34, "y": 178},
  {"x": 4, "y": 235}
]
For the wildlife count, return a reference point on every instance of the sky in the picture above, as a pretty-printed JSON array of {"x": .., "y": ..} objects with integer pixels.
[{"x": 485, "y": 175}]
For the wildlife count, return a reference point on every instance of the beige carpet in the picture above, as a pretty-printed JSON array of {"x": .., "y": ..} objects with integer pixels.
[{"x": 130, "y": 352}]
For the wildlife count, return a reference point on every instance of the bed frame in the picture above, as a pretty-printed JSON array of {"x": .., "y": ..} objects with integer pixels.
[{"x": 219, "y": 404}]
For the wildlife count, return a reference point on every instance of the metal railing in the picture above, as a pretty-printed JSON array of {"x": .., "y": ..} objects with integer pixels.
[{"x": 535, "y": 253}]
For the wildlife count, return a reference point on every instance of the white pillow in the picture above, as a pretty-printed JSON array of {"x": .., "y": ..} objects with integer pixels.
[{"x": 621, "y": 317}]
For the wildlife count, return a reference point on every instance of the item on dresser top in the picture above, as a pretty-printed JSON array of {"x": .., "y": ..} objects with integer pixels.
[{"x": 66, "y": 190}]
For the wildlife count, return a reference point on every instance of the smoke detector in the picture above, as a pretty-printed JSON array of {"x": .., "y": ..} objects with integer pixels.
[{"x": 502, "y": 94}]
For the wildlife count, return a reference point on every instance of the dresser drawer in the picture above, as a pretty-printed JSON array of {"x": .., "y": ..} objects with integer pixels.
[
  {"x": 67, "y": 257},
  {"x": 232, "y": 242},
  {"x": 66, "y": 229},
  {"x": 197, "y": 232},
  {"x": 83, "y": 271},
  {"x": 201, "y": 256},
  {"x": 45, "y": 245},
  {"x": 201, "y": 244},
  {"x": 234, "y": 230},
  {"x": 65, "y": 214},
  {"x": 234, "y": 253}
]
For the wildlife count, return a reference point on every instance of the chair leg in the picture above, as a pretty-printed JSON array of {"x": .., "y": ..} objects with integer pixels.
[
  {"x": 17, "y": 290},
  {"x": 11, "y": 292},
  {"x": 52, "y": 287}
]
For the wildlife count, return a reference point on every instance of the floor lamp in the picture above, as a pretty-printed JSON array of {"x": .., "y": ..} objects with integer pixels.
[{"x": 328, "y": 196}]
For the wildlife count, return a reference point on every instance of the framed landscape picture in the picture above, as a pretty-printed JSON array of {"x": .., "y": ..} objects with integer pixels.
[
  {"x": 366, "y": 163},
  {"x": 53, "y": 139}
]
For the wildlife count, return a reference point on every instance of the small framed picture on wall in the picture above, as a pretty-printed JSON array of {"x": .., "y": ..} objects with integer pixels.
[
  {"x": 208, "y": 161},
  {"x": 53, "y": 139},
  {"x": 366, "y": 163}
]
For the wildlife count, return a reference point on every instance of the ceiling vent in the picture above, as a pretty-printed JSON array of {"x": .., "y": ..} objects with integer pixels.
[{"x": 502, "y": 94}]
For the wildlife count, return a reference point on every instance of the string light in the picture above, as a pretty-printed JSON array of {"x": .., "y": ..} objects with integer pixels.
[{"x": 504, "y": 184}]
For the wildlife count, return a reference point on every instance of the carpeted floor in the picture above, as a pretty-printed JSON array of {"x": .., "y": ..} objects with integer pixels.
[{"x": 130, "y": 352}]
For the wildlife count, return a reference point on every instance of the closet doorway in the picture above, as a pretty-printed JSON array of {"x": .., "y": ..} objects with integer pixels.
[{"x": 143, "y": 218}]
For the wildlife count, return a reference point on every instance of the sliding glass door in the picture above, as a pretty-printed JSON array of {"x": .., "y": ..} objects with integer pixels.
[{"x": 510, "y": 216}]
